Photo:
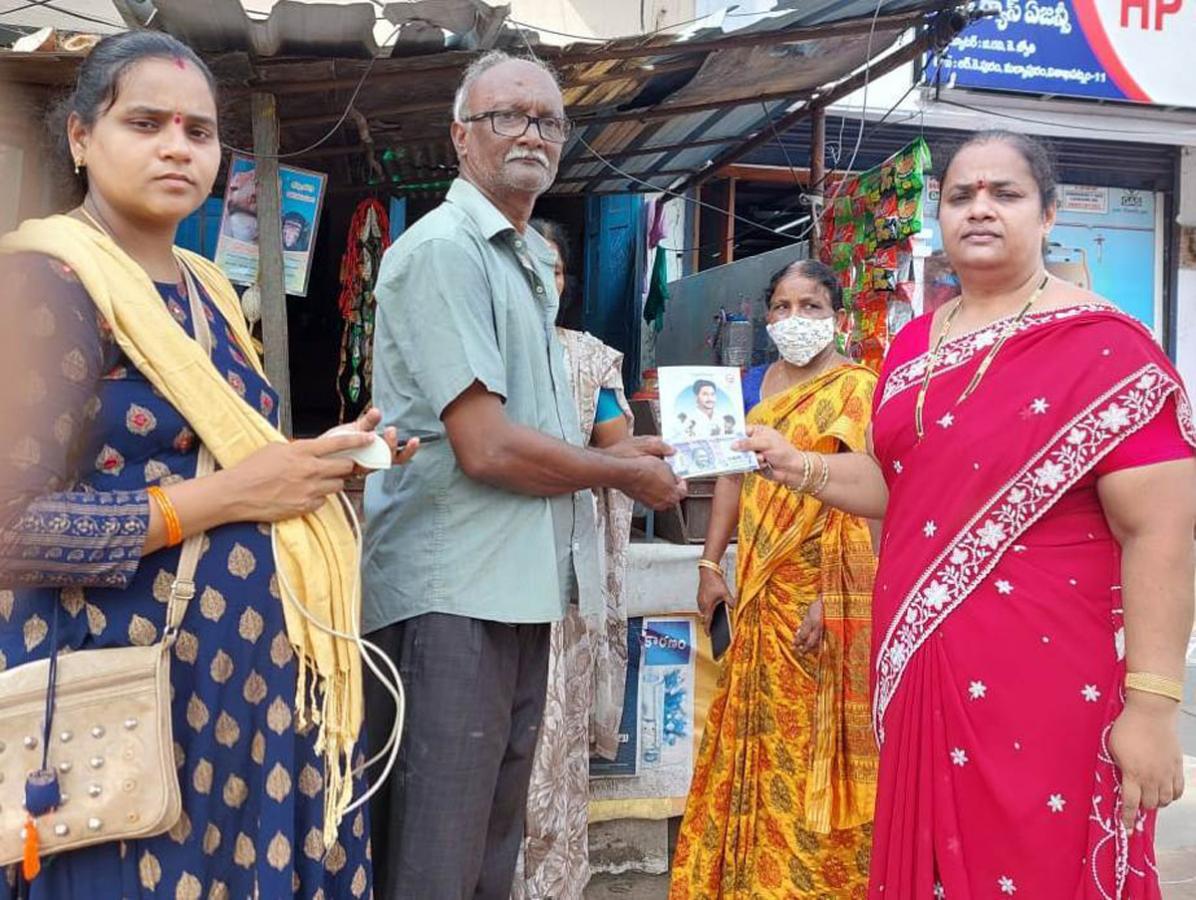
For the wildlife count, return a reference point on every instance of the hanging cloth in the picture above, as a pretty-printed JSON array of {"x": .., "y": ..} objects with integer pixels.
[
  {"x": 658, "y": 291},
  {"x": 369, "y": 236}
]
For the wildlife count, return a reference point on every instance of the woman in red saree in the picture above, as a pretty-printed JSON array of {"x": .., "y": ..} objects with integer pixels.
[{"x": 1032, "y": 450}]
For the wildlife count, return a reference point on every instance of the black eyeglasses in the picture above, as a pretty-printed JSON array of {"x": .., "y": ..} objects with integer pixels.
[{"x": 512, "y": 124}]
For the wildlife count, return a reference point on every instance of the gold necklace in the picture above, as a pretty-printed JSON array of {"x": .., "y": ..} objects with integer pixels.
[
  {"x": 94, "y": 221},
  {"x": 98, "y": 222},
  {"x": 985, "y": 364}
]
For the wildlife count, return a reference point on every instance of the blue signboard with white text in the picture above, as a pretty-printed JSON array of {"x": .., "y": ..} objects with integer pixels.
[{"x": 1128, "y": 50}]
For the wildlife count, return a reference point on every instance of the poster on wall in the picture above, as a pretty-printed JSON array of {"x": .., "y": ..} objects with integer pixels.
[
  {"x": 627, "y": 756},
  {"x": 1128, "y": 50},
  {"x": 664, "y": 742},
  {"x": 237, "y": 246},
  {"x": 1105, "y": 240}
]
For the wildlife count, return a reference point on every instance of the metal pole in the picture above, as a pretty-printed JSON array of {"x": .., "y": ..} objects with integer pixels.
[{"x": 817, "y": 195}]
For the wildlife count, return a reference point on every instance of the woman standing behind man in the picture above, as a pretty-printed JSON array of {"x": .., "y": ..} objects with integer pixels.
[
  {"x": 782, "y": 795},
  {"x": 126, "y": 362},
  {"x": 1033, "y": 462},
  {"x": 587, "y": 665}
]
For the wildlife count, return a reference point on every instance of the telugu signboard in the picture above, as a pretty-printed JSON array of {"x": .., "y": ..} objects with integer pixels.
[
  {"x": 237, "y": 248},
  {"x": 1131, "y": 50}
]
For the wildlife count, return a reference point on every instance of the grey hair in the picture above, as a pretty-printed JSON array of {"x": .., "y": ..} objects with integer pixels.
[{"x": 480, "y": 67}]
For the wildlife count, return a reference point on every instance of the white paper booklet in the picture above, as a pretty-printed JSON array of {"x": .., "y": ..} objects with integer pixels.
[{"x": 701, "y": 416}]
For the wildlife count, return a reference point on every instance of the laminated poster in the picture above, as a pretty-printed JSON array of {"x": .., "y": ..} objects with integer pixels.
[
  {"x": 701, "y": 416},
  {"x": 663, "y": 747},
  {"x": 237, "y": 246},
  {"x": 627, "y": 757}
]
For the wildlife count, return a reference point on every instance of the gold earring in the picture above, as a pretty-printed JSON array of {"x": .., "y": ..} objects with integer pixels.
[{"x": 79, "y": 164}]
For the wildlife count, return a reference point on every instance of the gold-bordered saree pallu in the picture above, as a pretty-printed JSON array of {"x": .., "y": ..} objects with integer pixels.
[
  {"x": 783, "y": 791},
  {"x": 999, "y": 648}
]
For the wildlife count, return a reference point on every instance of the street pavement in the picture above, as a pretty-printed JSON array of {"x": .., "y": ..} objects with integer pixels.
[{"x": 1175, "y": 842}]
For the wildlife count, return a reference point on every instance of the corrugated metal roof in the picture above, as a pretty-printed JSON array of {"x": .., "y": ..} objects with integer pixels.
[
  {"x": 290, "y": 29},
  {"x": 693, "y": 92}
]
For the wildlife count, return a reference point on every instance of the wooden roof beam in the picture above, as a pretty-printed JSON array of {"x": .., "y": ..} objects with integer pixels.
[
  {"x": 766, "y": 174},
  {"x": 287, "y": 88}
]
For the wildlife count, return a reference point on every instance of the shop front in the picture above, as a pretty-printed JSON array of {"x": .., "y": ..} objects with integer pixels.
[{"x": 324, "y": 177}]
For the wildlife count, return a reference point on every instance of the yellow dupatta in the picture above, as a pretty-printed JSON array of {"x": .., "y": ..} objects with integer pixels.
[
  {"x": 317, "y": 553},
  {"x": 791, "y": 544}
]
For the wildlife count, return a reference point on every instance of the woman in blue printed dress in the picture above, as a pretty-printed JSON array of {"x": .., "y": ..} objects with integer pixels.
[{"x": 85, "y": 435}]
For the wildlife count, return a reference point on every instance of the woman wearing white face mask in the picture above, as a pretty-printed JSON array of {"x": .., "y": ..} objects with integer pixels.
[{"x": 782, "y": 796}]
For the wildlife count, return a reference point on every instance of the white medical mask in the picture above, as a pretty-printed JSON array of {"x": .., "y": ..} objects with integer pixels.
[{"x": 800, "y": 339}]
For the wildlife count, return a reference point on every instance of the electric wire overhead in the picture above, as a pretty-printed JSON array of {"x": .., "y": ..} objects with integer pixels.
[
  {"x": 53, "y": 7},
  {"x": 331, "y": 131},
  {"x": 730, "y": 212},
  {"x": 836, "y": 152},
  {"x": 859, "y": 139},
  {"x": 1054, "y": 123}
]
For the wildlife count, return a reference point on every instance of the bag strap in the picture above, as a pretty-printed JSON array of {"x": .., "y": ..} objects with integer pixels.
[{"x": 182, "y": 590}]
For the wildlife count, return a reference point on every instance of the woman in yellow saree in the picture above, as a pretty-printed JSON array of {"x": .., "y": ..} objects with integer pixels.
[{"x": 781, "y": 800}]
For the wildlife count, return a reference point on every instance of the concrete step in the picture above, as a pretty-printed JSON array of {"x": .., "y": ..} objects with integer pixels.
[{"x": 633, "y": 887}]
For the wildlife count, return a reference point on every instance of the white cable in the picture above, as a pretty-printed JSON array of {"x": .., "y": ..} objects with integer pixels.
[
  {"x": 328, "y": 135},
  {"x": 731, "y": 212},
  {"x": 859, "y": 138},
  {"x": 393, "y": 687}
]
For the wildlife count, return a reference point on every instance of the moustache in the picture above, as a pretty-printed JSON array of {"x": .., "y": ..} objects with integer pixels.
[{"x": 519, "y": 153}]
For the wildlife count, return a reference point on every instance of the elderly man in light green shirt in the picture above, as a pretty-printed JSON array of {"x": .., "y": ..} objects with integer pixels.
[{"x": 477, "y": 547}]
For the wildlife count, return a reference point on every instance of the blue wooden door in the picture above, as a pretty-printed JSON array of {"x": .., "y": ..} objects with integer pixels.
[
  {"x": 198, "y": 232},
  {"x": 398, "y": 217},
  {"x": 613, "y": 276}
]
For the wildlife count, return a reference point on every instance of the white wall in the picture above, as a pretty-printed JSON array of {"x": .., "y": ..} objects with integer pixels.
[
  {"x": 11, "y": 159},
  {"x": 1185, "y": 326},
  {"x": 1185, "y": 331},
  {"x": 600, "y": 18}
]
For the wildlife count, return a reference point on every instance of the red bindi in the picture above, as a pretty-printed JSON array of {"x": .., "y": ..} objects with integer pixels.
[
  {"x": 980, "y": 184},
  {"x": 178, "y": 120}
]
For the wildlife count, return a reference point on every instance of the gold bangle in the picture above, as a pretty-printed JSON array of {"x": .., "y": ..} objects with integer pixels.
[
  {"x": 712, "y": 566},
  {"x": 807, "y": 470},
  {"x": 826, "y": 476},
  {"x": 170, "y": 516},
  {"x": 1155, "y": 684}
]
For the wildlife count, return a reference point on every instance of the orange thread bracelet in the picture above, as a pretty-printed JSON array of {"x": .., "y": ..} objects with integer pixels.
[{"x": 174, "y": 528}]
